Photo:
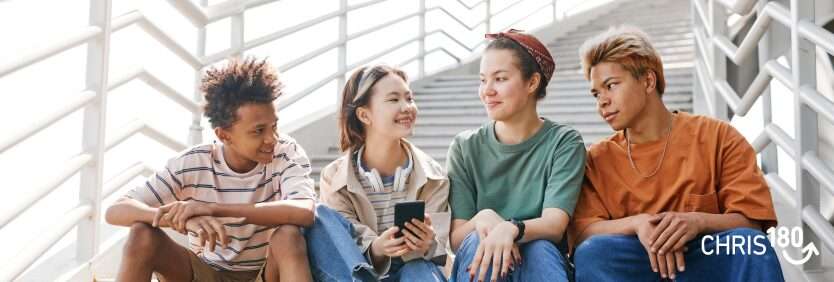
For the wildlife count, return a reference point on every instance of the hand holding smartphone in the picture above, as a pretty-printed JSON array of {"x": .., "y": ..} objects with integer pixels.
[{"x": 405, "y": 212}]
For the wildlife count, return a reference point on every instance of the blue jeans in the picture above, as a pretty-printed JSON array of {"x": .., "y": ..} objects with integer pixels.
[
  {"x": 332, "y": 250},
  {"x": 623, "y": 258},
  {"x": 418, "y": 270},
  {"x": 541, "y": 261}
]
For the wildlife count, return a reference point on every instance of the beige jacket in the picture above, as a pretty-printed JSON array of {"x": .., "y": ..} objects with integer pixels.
[{"x": 341, "y": 191}]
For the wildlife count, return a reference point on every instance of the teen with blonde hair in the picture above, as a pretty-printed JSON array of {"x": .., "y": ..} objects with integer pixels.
[{"x": 666, "y": 194}]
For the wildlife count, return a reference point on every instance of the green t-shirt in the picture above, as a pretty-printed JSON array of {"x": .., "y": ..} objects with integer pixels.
[{"x": 516, "y": 181}]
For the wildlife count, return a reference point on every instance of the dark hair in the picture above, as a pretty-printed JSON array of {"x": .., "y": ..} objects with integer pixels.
[
  {"x": 240, "y": 82},
  {"x": 351, "y": 129},
  {"x": 526, "y": 63}
]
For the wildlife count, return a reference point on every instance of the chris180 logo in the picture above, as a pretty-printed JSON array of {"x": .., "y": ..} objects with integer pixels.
[{"x": 782, "y": 237}]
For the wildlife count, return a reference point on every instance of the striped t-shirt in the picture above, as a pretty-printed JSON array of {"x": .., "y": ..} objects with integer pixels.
[
  {"x": 201, "y": 174},
  {"x": 383, "y": 201}
]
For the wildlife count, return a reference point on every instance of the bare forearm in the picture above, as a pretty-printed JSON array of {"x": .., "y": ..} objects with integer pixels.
[
  {"x": 623, "y": 226},
  {"x": 550, "y": 226},
  {"x": 295, "y": 212},
  {"x": 126, "y": 212},
  {"x": 711, "y": 223},
  {"x": 461, "y": 228},
  {"x": 459, "y": 232}
]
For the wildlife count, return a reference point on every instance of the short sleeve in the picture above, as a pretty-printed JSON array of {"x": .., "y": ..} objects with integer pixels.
[
  {"x": 293, "y": 171},
  {"x": 161, "y": 188},
  {"x": 742, "y": 187},
  {"x": 566, "y": 173},
  {"x": 462, "y": 192}
]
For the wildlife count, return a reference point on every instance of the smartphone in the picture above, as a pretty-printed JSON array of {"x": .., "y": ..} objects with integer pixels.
[{"x": 406, "y": 211}]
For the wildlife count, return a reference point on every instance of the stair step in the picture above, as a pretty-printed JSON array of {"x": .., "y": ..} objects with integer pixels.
[
  {"x": 544, "y": 111},
  {"x": 678, "y": 26},
  {"x": 574, "y": 79},
  {"x": 680, "y": 85},
  {"x": 661, "y": 37},
  {"x": 473, "y": 78},
  {"x": 552, "y": 94},
  {"x": 557, "y": 48},
  {"x": 568, "y": 101}
]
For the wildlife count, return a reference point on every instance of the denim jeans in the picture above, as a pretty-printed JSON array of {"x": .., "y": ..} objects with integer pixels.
[
  {"x": 334, "y": 255},
  {"x": 332, "y": 250},
  {"x": 418, "y": 270},
  {"x": 541, "y": 260},
  {"x": 623, "y": 258}
]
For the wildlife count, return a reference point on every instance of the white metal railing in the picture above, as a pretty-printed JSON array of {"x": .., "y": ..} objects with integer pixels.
[
  {"x": 93, "y": 100},
  {"x": 714, "y": 46}
]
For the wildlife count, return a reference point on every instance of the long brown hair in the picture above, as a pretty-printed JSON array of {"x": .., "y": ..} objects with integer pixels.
[{"x": 357, "y": 94}]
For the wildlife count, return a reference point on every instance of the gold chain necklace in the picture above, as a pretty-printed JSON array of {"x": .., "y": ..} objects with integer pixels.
[{"x": 662, "y": 155}]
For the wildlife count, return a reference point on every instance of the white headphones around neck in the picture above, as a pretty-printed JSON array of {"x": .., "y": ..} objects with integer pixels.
[{"x": 375, "y": 180}]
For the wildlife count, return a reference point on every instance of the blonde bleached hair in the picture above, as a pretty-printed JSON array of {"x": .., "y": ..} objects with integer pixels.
[{"x": 627, "y": 46}]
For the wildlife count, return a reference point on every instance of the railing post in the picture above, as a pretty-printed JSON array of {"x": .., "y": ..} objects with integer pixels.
[
  {"x": 555, "y": 12},
  {"x": 421, "y": 62},
  {"x": 237, "y": 34},
  {"x": 803, "y": 64},
  {"x": 488, "y": 16},
  {"x": 342, "y": 54},
  {"x": 770, "y": 160},
  {"x": 718, "y": 24},
  {"x": 195, "y": 135},
  {"x": 95, "y": 114}
]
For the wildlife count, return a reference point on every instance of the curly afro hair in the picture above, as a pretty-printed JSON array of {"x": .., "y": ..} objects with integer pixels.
[{"x": 238, "y": 83}]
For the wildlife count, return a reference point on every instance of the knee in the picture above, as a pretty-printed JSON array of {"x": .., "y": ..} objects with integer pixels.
[
  {"x": 594, "y": 248},
  {"x": 540, "y": 247},
  {"x": 469, "y": 244},
  {"x": 416, "y": 267},
  {"x": 744, "y": 231},
  {"x": 287, "y": 240},
  {"x": 143, "y": 241},
  {"x": 325, "y": 216}
]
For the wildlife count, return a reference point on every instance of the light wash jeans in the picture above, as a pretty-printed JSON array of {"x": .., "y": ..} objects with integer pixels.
[
  {"x": 334, "y": 255},
  {"x": 623, "y": 258},
  {"x": 541, "y": 260}
]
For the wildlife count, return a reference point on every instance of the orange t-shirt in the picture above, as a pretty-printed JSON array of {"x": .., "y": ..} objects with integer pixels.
[{"x": 709, "y": 167}]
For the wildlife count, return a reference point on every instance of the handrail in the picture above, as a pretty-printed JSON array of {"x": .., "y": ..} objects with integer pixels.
[
  {"x": 157, "y": 84},
  {"x": 714, "y": 45},
  {"x": 781, "y": 188},
  {"x": 46, "y": 239},
  {"x": 102, "y": 25},
  {"x": 739, "y": 6},
  {"x": 69, "y": 169},
  {"x": 38, "y": 55},
  {"x": 738, "y": 54},
  {"x": 200, "y": 17},
  {"x": 113, "y": 184},
  {"x": 741, "y": 106},
  {"x": 69, "y": 107},
  {"x": 820, "y": 225}
]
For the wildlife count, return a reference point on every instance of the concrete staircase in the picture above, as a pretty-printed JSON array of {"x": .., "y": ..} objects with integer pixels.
[{"x": 449, "y": 104}]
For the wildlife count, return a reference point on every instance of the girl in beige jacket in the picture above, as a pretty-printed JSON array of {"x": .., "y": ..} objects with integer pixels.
[{"x": 381, "y": 169}]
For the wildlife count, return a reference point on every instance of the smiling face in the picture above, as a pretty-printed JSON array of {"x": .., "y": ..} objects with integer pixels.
[
  {"x": 503, "y": 90},
  {"x": 391, "y": 111},
  {"x": 621, "y": 98},
  {"x": 251, "y": 138}
]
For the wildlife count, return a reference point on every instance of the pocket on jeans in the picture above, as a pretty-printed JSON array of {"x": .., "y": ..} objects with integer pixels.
[{"x": 707, "y": 203}]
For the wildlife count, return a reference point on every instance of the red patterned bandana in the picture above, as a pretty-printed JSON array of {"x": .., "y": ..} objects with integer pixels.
[{"x": 534, "y": 47}]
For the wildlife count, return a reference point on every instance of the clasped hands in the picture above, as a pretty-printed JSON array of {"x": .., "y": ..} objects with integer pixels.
[
  {"x": 664, "y": 236},
  {"x": 196, "y": 217}
]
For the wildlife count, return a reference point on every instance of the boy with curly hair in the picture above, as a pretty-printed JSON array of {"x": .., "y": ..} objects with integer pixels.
[{"x": 247, "y": 202}]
